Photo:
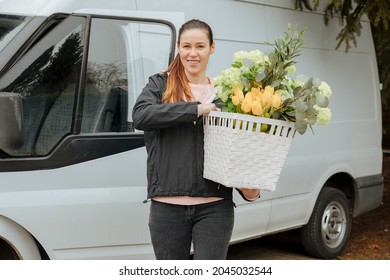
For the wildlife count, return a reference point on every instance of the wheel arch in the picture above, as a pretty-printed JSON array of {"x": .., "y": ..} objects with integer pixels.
[
  {"x": 24, "y": 245},
  {"x": 338, "y": 179},
  {"x": 345, "y": 183}
]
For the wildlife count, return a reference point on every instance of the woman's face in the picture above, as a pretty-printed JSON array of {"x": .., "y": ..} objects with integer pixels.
[{"x": 195, "y": 50}]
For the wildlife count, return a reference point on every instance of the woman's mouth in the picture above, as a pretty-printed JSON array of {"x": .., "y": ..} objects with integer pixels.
[{"x": 193, "y": 62}]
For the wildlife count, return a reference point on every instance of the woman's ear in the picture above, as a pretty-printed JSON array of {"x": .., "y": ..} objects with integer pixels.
[{"x": 212, "y": 48}]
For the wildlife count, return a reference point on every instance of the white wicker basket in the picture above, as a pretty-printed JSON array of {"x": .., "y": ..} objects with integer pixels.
[{"x": 238, "y": 154}]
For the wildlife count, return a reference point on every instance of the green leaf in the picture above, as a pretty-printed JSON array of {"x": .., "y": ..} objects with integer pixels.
[
  {"x": 225, "y": 109},
  {"x": 300, "y": 105},
  {"x": 312, "y": 120},
  {"x": 277, "y": 115},
  {"x": 301, "y": 127},
  {"x": 322, "y": 101},
  {"x": 309, "y": 83},
  {"x": 291, "y": 114},
  {"x": 286, "y": 102},
  {"x": 311, "y": 112},
  {"x": 275, "y": 83},
  {"x": 310, "y": 102},
  {"x": 260, "y": 76},
  {"x": 297, "y": 91},
  {"x": 245, "y": 82},
  {"x": 273, "y": 58}
]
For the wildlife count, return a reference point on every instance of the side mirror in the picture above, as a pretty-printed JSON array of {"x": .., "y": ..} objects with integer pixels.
[{"x": 11, "y": 121}]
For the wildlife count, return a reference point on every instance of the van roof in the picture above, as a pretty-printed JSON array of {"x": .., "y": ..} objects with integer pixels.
[{"x": 48, "y": 7}]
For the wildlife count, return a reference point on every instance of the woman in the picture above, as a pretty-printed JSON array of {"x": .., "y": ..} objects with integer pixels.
[{"x": 185, "y": 207}]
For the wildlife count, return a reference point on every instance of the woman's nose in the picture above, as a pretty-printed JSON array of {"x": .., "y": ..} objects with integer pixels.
[{"x": 193, "y": 51}]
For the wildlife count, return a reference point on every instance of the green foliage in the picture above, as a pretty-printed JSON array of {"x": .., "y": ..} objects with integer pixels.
[
  {"x": 379, "y": 10},
  {"x": 260, "y": 85},
  {"x": 285, "y": 51},
  {"x": 351, "y": 12}
]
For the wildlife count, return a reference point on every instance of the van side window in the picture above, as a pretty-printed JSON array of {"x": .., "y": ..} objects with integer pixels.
[
  {"x": 10, "y": 26},
  {"x": 122, "y": 54},
  {"x": 46, "y": 78}
]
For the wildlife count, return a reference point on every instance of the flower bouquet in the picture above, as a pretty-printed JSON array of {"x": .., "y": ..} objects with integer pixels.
[{"x": 262, "y": 106}]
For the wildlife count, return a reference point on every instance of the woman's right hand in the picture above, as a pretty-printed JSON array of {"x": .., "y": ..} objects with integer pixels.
[{"x": 204, "y": 109}]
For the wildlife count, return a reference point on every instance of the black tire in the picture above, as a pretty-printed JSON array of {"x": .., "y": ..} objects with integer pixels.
[{"x": 327, "y": 233}]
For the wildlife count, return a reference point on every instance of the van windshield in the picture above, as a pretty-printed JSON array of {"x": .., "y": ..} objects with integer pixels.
[{"x": 10, "y": 25}]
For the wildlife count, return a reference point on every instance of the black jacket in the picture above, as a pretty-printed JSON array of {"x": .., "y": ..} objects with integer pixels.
[{"x": 174, "y": 144}]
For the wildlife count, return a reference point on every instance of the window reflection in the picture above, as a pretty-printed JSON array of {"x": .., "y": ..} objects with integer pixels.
[{"x": 46, "y": 78}]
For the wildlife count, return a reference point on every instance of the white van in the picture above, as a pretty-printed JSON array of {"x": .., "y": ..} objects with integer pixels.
[{"x": 73, "y": 169}]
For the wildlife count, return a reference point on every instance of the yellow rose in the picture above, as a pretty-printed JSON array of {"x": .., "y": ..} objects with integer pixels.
[
  {"x": 249, "y": 97},
  {"x": 235, "y": 100},
  {"x": 255, "y": 91},
  {"x": 267, "y": 97},
  {"x": 238, "y": 92},
  {"x": 257, "y": 109},
  {"x": 276, "y": 101},
  {"x": 246, "y": 105}
]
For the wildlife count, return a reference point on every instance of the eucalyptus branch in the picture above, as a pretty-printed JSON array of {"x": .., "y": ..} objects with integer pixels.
[{"x": 285, "y": 51}]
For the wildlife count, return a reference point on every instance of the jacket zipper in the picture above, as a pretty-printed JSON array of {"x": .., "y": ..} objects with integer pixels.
[{"x": 196, "y": 153}]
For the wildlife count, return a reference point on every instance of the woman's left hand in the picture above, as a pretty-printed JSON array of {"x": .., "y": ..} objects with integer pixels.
[{"x": 250, "y": 194}]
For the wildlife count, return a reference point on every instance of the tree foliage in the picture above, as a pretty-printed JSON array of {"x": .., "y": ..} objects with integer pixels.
[{"x": 351, "y": 12}]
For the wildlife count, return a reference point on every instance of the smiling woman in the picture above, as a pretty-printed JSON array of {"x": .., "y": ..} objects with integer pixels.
[
  {"x": 195, "y": 45},
  {"x": 82, "y": 169},
  {"x": 170, "y": 111},
  {"x": 195, "y": 49}
]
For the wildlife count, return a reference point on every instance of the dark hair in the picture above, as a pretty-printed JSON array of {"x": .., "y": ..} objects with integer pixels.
[{"x": 177, "y": 82}]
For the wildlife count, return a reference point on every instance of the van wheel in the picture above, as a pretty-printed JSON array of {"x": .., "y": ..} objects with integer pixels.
[{"x": 327, "y": 233}]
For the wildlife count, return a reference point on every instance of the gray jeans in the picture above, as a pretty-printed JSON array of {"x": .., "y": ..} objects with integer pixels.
[{"x": 208, "y": 226}]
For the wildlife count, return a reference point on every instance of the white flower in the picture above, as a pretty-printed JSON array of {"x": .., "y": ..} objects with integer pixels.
[
  {"x": 255, "y": 56},
  {"x": 239, "y": 56},
  {"x": 229, "y": 77},
  {"x": 223, "y": 95},
  {"x": 325, "y": 89},
  {"x": 323, "y": 115}
]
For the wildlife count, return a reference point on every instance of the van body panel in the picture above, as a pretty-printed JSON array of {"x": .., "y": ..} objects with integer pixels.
[
  {"x": 92, "y": 202},
  {"x": 79, "y": 182},
  {"x": 49, "y": 7}
]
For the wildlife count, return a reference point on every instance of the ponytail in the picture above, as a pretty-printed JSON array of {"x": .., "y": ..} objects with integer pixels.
[{"x": 177, "y": 83}]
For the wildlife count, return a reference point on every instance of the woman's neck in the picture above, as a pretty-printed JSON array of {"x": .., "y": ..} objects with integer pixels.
[{"x": 198, "y": 80}]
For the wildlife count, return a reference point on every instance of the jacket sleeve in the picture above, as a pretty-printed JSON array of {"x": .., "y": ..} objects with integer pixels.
[{"x": 150, "y": 113}]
